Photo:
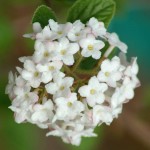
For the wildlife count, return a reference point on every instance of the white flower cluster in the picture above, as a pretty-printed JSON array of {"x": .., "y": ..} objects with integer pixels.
[{"x": 45, "y": 92}]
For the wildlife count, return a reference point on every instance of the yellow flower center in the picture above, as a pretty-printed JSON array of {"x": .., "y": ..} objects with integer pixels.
[
  {"x": 62, "y": 88},
  {"x": 46, "y": 54},
  {"x": 69, "y": 104},
  {"x": 107, "y": 74},
  {"x": 77, "y": 34},
  {"x": 92, "y": 91},
  {"x": 59, "y": 32},
  {"x": 51, "y": 67},
  {"x": 36, "y": 74},
  {"x": 90, "y": 47},
  {"x": 63, "y": 52}
]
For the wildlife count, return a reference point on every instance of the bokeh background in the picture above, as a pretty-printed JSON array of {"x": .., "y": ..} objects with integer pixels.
[{"x": 131, "y": 131}]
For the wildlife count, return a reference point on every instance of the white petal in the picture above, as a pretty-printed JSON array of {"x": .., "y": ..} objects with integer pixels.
[
  {"x": 86, "y": 53},
  {"x": 91, "y": 101},
  {"x": 68, "y": 60},
  {"x": 73, "y": 48},
  {"x": 37, "y": 27},
  {"x": 42, "y": 68},
  {"x": 96, "y": 54},
  {"x": 27, "y": 75},
  {"x": 51, "y": 88},
  {"x": 29, "y": 65},
  {"x": 84, "y": 91},
  {"x": 46, "y": 77}
]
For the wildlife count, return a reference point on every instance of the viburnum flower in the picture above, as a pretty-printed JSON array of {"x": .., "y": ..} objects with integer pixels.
[
  {"x": 66, "y": 50},
  {"x": 68, "y": 108},
  {"x": 102, "y": 114},
  {"x": 53, "y": 90},
  {"x": 46, "y": 35},
  {"x": 60, "y": 30},
  {"x": 111, "y": 71},
  {"x": 48, "y": 70},
  {"x": 42, "y": 112},
  {"x": 31, "y": 74},
  {"x": 91, "y": 47},
  {"x": 94, "y": 91},
  {"x": 114, "y": 40},
  {"x": 77, "y": 31},
  {"x": 36, "y": 29},
  {"x": 44, "y": 52},
  {"x": 60, "y": 86},
  {"x": 97, "y": 28},
  {"x": 10, "y": 86}
]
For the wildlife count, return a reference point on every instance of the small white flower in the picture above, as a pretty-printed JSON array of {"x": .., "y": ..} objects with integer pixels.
[
  {"x": 72, "y": 133},
  {"x": 116, "y": 111},
  {"x": 24, "y": 58},
  {"x": 114, "y": 40},
  {"x": 24, "y": 101},
  {"x": 48, "y": 70},
  {"x": 102, "y": 114},
  {"x": 19, "y": 114},
  {"x": 94, "y": 91},
  {"x": 132, "y": 71},
  {"x": 46, "y": 35},
  {"x": 60, "y": 30},
  {"x": 74, "y": 138},
  {"x": 123, "y": 94},
  {"x": 111, "y": 71},
  {"x": 91, "y": 47},
  {"x": 66, "y": 50},
  {"x": 98, "y": 28},
  {"x": 31, "y": 74},
  {"x": 36, "y": 29},
  {"x": 117, "y": 98},
  {"x": 21, "y": 86},
  {"x": 128, "y": 88},
  {"x": 42, "y": 112},
  {"x": 60, "y": 86},
  {"x": 76, "y": 33},
  {"x": 44, "y": 52},
  {"x": 10, "y": 86},
  {"x": 21, "y": 105},
  {"x": 68, "y": 108}
]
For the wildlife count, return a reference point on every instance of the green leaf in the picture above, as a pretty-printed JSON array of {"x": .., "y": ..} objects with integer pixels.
[
  {"x": 42, "y": 15},
  {"x": 103, "y": 10}
]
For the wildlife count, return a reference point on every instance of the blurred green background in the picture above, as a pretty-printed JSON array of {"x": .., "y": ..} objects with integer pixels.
[{"x": 131, "y": 131}]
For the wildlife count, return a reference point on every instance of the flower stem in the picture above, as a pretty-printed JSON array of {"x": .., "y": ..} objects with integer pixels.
[
  {"x": 109, "y": 50},
  {"x": 78, "y": 61},
  {"x": 68, "y": 71}
]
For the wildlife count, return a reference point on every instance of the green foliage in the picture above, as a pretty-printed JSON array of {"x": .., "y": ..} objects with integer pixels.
[
  {"x": 103, "y": 10},
  {"x": 14, "y": 136},
  {"x": 66, "y": 1},
  {"x": 42, "y": 15},
  {"x": 6, "y": 36}
]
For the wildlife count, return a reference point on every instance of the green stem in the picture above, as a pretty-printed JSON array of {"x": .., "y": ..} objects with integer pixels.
[
  {"x": 86, "y": 72},
  {"x": 68, "y": 71},
  {"x": 109, "y": 51},
  {"x": 78, "y": 61}
]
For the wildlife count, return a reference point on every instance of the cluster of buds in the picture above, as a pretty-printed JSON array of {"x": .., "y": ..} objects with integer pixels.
[{"x": 51, "y": 90}]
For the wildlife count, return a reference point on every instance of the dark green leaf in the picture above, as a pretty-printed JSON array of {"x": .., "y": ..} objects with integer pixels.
[
  {"x": 103, "y": 10},
  {"x": 42, "y": 15}
]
